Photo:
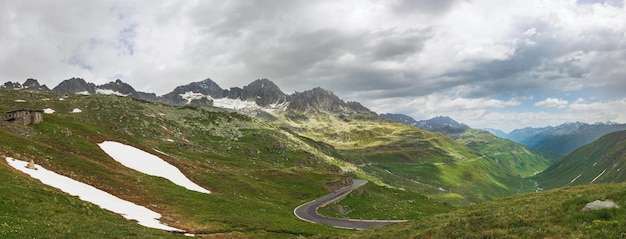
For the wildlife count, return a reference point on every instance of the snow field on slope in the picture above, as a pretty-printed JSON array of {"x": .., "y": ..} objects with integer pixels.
[
  {"x": 147, "y": 163},
  {"x": 85, "y": 192}
]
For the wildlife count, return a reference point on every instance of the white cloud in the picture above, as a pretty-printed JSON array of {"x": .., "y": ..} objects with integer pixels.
[
  {"x": 552, "y": 103},
  {"x": 464, "y": 53}
]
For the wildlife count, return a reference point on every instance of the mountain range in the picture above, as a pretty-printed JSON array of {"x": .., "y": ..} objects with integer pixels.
[
  {"x": 509, "y": 154},
  {"x": 262, "y": 153},
  {"x": 562, "y": 139}
]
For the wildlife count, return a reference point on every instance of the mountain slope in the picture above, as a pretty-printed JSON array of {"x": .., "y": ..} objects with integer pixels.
[
  {"x": 563, "y": 139},
  {"x": 257, "y": 172},
  {"x": 603, "y": 161},
  {"x": 512, "y": 156},
  {"x": 406, "y": 157},
  {"x": 549, "y": 214}
]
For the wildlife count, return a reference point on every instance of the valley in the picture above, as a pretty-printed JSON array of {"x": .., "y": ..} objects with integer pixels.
[{"x": 243, "y": 160}]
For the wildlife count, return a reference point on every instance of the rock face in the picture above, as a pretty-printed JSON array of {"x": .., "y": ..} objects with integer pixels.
[
  {"x": 33, "y": 84},
  {"x": 75, "y": 86},
  {"x": 597, "y": 205},
  {"x": 263, "y": 92},
  {"x": 180, "y": 95},
  {"x": 29, "y": 84},
  {"x": 12, "y": 85},
  {"x": 116, "y": 87},
  {"x": 316, "y": 99}
]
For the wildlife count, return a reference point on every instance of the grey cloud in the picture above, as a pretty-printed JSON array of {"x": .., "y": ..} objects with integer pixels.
[{"x": 422, "y": 6}]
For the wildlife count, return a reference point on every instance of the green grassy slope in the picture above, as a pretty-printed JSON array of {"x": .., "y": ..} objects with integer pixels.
[
  {"x": 602, "y": 161},
  {"x": 257, "y": 172},
  {"x": 509, "y": 154},
  {"x": 405, "y": 157},
  {"x": 549, "y": 214}
]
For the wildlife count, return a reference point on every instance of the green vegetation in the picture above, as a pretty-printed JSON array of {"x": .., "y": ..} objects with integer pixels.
[
  {"x": 513, "y": 156},
  {"x": 260, "y": 171},
  {"x": 375, "y": 202},
  {"x": 257, "y": 172},
  {"x": 550, "y": 214},
  {"x": 599, "y": 162}
]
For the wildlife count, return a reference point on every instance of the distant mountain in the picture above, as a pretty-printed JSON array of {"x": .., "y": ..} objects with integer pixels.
[
  {"x": 318, "y": 99},
  {"x": 602, "y": 161},
  {"x": 402, "y": 118},
  {"x": 199, "y": 93},
  {"x": 29, "y": 84},
  {"x": 565, "y": 138},
  {"x": 511, "y": 155},
  {"x": 75, "y": 86},
  {"x": 497, "y": 132},
  {"x": 441, "y": 124},
  {"x": 263, "y": 92},
  {"x": 33, "y": 84}
]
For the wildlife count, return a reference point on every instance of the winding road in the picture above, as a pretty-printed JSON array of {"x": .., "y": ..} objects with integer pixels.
[{"x": 308, "y": 211}]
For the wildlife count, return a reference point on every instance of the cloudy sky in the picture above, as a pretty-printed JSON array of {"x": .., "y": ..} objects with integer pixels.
[{"x": 486, "y": 63}]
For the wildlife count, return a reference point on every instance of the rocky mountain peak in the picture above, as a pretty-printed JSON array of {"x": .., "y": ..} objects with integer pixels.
[
  {"x": 75, "y": 86},
  {"x": 33, "y": 84},
  {"x": 194, "y": 92},
  {"x": 442, "y": 124},
  {"x": 30, "y": 84},
  {"x": 12, "y": 85},
  {"x": 264, "y": 92},
  {"x": 116, "y": 87},
  {"x": 316, "y": 99}
]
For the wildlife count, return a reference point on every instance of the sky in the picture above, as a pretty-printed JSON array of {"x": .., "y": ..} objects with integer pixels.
[{"x": 486, "y": 63}]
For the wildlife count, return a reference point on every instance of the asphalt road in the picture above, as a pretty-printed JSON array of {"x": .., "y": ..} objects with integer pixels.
[{"x": 308, "y": 211}]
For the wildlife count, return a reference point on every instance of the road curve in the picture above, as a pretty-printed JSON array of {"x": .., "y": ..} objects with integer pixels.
[{"x": 308, "y": 211}]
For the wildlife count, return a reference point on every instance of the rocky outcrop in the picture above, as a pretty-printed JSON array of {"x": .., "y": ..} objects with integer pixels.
[
  {"x": 29, "y": 84},
  {"x": 318, "y": 99},
  {"x": 12, "y": 85},
  {"x": 263, "y": 92},
  {"x": 75, "y": 86},
  {"x": 181, "y": 94},
  {"x": 33, "y": 84},
  {"x": 597, "y": 205}
]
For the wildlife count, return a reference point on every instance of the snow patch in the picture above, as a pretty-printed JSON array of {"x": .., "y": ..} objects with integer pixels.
[
  {"x": 48, "y": 111},
  {"x": 594, "y": 179},
  {"x": 19, "y": 100},
  {"x": 109, "y": 92},
  {"x": 83, "y": 93},
  {"x": 86, "y": 192},
  {"x": 575, "y": 178},
  {"x": 235, "y": 104},
  {"x": 77, "y": 110},
  {"x": 190, "y": 96},
  {"x": 147, "y": 163}
]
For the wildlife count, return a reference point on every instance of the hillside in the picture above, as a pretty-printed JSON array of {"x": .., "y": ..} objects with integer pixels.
[
  {"x": 257, "y": 173},
  {"x": 512, "y": 156},
  {"x": 549, "y": 214},
  {"x": 563, "y": 139},
  {"x": 602, "y": 161},
  {"x": 406, "y": 157}
]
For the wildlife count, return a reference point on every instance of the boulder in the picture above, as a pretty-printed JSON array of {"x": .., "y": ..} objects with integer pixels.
[{"x": 597, "y": 205}]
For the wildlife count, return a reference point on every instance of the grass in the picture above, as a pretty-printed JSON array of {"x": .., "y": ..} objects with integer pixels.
[
  {"x": 550, "y": 214},
  {"x": 29, "y": 210},
  {"x": 374, "y": 202}
]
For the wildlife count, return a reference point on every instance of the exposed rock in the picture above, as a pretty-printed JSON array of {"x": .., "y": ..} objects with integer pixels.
[
  {"x": 75, "y": 86},
  {"x": 31, "y": 165},
  {"x": 344, "y": 182},
  {"x": 597, "y": 205},
  {"x": 33, "y": 84},
  {"x": 264, "y": 92},
  {"x": 12, "y": 85},
  {"x": 206, "y": 87},
  {"x": 117, "y": 87}
]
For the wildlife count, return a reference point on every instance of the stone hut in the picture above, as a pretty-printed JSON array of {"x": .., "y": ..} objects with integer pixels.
[{"x": 24, "y": 116}]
